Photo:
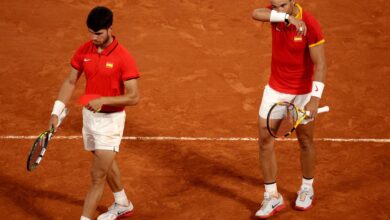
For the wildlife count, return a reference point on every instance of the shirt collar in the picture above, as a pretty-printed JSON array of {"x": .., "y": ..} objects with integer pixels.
[
  {"x": 300, "y": 11},
  {"x": 109, "y": 48}
]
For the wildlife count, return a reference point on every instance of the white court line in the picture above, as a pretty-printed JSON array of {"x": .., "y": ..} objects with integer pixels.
[{"x": 228, "y": 139}]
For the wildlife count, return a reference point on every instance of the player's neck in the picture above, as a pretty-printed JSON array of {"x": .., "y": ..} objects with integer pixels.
[{"x": 106, "y": 44}]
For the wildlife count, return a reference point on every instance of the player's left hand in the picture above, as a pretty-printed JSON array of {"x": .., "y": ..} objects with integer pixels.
[
  {"x": 312, "y": 107},
  {"x": 95, "y": 105}
]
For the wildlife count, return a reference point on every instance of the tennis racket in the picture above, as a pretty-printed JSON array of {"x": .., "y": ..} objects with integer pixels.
[
  {"x": 40, "y": 144},
  {"x": 284, "y": 117}
]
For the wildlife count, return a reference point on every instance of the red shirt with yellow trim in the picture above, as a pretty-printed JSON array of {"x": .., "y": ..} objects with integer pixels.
[
  {"x": 292, "y": 69},
  {"x": 106, "y": 72}
]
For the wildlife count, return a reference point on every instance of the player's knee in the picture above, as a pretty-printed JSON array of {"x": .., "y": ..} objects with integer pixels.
[
  {"x": 98, "y": 177},
  {"x": 306, "y": 142},
  {"x": 266, "y": 143}
]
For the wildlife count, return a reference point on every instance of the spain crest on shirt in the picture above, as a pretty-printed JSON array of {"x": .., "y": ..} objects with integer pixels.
[
  {"x": 109, "y": 65},
  {"x": 297, "y": 38}
]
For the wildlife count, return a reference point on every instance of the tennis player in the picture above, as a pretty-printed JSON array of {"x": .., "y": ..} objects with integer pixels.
[
  {"x": 110, "y": 71},
  {"x": 298, "y": 70}
]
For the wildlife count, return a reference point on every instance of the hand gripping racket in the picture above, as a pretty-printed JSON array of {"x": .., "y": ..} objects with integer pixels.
[
  {"x": 40, "y": 144},
  {"x": 284, "y": 117}
]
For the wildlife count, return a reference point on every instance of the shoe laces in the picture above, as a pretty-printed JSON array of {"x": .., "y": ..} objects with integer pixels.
[
  {"x": 304, "y": 191},
  {"x": 267, "y": 199}
]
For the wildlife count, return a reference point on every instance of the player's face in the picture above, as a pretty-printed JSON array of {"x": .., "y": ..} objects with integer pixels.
[
  {"x": 100, "y": 37},
  {"x": 285, "y": 6}
]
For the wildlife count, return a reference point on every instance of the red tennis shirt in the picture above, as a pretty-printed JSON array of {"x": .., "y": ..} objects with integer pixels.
[
  {"x": 106, "y": 72},
  {"x": 292, "y": 69}
]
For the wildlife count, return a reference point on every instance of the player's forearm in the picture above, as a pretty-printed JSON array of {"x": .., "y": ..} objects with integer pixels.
[
  {"x": 66, "y": 91},
  {"x": 123, "y": 100},
  {"x": 320, "y": 72},
  {"x": 262, "y": 14}
]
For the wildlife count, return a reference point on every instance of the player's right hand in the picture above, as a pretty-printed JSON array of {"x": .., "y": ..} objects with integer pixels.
[
  {"x": 299, "y": 25},
  {"x": 53, "y": 122}
]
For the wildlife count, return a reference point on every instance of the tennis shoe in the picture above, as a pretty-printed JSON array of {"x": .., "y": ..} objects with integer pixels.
[
  {"x": 270, "y": 206},
  {"x": 305, "y": 198},
  {"x": 116, "y": 211}
]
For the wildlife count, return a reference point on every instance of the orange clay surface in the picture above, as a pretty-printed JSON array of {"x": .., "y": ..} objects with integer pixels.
[{"x": 204, "y": 65}]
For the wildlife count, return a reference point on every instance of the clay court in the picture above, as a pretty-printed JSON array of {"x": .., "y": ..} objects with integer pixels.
[{"x": 204, "y": 65}]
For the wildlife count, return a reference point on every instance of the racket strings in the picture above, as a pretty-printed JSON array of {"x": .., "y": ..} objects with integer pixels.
[
  {"x": 282, "y": 119},
  {"x": 38, "y": 150}
]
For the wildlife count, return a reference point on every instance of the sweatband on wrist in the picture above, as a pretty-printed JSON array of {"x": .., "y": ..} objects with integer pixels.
[
  {"x": 58, "y": 108},
  {"x": 318, "y": 88},
  {"x": 277, "y": 16}
]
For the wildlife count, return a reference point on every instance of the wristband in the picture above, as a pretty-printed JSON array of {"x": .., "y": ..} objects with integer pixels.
[
  {"x": 58, "y": 108},
  {"x": 277, "y": 16},
  {"x": 286, "y": 19},
  {"x": 318, "y": 88}
]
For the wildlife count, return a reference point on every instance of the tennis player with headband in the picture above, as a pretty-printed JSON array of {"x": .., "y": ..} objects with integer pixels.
[
  {"x": 298, "y": 71},
  {"x": 110, "y": 71}
]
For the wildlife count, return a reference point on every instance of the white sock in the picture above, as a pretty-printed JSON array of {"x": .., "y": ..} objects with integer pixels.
[
  {"x": 84, "y": 218},
  {"x": 121, "y": 198},
  {"x": 271, "y": 188},
  {"x": 307, "y": 182}
]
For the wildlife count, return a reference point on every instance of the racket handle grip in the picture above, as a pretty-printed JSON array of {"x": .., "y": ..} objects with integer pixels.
[
  {"x": 320, "y": 110},
  {"x": 323, "y": 109}
]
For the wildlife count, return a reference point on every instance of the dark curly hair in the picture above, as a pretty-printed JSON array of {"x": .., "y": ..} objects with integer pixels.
[{"x": 99, "y": 18}]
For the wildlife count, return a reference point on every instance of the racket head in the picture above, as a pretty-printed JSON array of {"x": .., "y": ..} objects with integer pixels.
[
  {"x": 38, "y": 149},
  {"x": 283, "y": 118},
  {"x": 85, "y": 99}
]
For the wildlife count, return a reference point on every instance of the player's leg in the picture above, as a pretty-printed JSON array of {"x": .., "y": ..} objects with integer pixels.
[
  {"x": 114, "y": 178},
  {"x": 102, "y": 162},
  {"x": 305, "y": 134},
  {"x": 114, "y": 181},
  {"x": 273, "y": 201},
  {"x": 305, "y": 197},
  {"x": 267, "y": 153},
  {"x": 122, "y": 206}
]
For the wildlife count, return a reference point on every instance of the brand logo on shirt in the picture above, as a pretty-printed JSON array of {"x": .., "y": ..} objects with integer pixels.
[
  {"x": 109, "y": 65},
  {"x": 87, "y": 59}
]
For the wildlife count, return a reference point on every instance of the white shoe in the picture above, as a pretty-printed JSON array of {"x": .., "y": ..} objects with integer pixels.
[
  {"x": 116, "y": 211},
  {"x": 305, "y": 198},
  {"x": 270, "y": 206}
]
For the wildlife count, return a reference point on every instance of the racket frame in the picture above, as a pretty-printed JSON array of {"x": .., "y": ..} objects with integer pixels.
[
  {"x": 301, "y": 116},
  {"x": 47, "y": 136},
  {"x": 49, "y": 133}
]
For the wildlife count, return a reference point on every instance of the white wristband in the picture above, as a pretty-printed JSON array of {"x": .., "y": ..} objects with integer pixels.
[
  {"x": 318, "y": 88},
  {"x": 277, "y": 16},
  {"x": 58, "y": 108}
]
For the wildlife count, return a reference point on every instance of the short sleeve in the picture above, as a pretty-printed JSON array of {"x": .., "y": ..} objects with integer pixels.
[
  {"x": 314, "y": 33},
  {"x": 128, "y": 68},
  {"x": 78, "y": 59}
]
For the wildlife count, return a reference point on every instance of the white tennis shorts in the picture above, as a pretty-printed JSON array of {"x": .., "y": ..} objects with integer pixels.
[
  {"x": 271, "y": 96},
  {"x": 103, "y": 131}
]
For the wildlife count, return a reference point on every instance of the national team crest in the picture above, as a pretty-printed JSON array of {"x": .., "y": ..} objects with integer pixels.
[
  {"x": 297, "y": 39},
  {"x": 109, "y": 65}
]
